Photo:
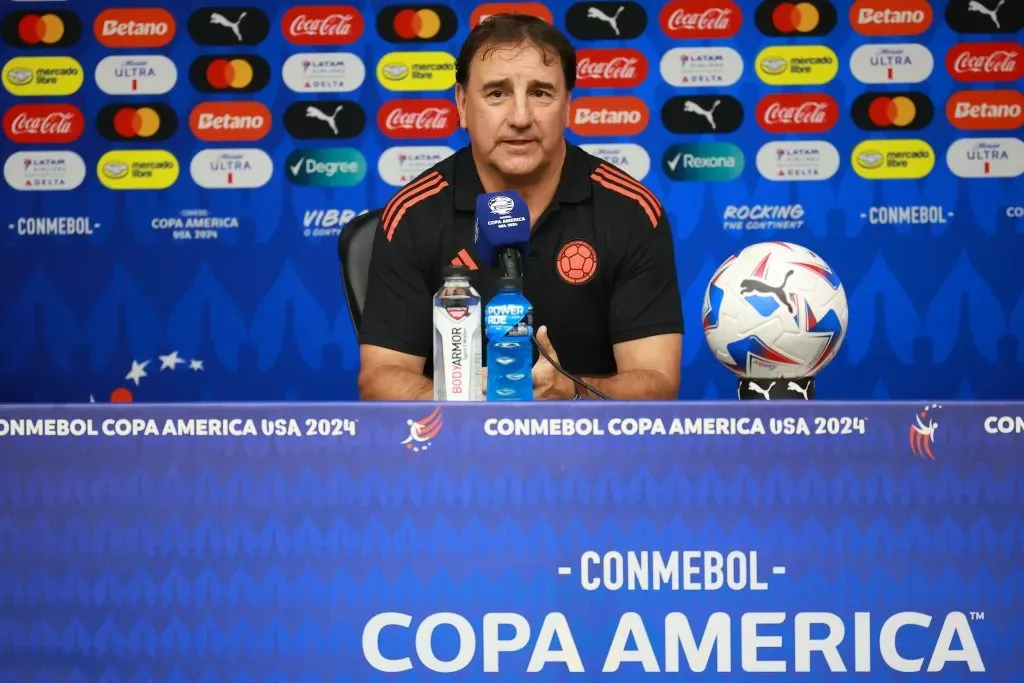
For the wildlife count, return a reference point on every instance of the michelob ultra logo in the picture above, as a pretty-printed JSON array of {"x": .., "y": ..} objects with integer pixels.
[
  {"x": 411, "y": 71},
  {"x": 797, "y": 65},
  {"x": 42, "y": 76},
  {"x": 143, "y": 169},
  {"x": 893, "y": 159},
  {"x": 707, "y": 161}
]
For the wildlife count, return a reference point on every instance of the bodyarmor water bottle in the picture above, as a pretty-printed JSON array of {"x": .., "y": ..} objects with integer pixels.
[
  {"x": 458, "y": 342},
  {"x": 509, "y": 326}
]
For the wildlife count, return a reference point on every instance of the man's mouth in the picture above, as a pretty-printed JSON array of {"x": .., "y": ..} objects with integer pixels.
[{"x": 518, "y": 143}]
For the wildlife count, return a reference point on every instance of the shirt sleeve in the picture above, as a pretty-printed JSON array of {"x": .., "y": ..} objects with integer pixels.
[
  {"x": 398, "y": 311},
  {"x": 645, "y": 298}
]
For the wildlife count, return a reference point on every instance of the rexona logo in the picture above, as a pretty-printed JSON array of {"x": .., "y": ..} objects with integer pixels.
[
  {"x": 398, "y": 165},
  {"x": 891, "y": 17},
  {"x": 980, "y": 62},
  {"x": 43, "y": 123},
  {"x": 42, "y": 76},
  {"x": 146, "y": 122},
  {"x": 322, "y": 25},
  {"x": 607, "y": 116},
  {"x": 985, "y": 16},
  {"x": 323, "y": 72},
  {"x": 149, "y": 169},
  {"x": 406, "y": 119},
  {"x": 229, "y": 73},
  {"x": 230, "y": 121},
  {"x": 606, "y": 20},
  {"x": 702, "y": 114},
  {"x": 613, "y": 67},
  {"x": 631, "y": 158},
  {"x": 800, "y": 160},
  {"x": 44, "y": 171},
  {"x": 229, "y": 26},
  {"x": 893, "y": 159},
  {"x": 891, "y": 63},
  {"x": 986, "y": 158},
  {"x": 417, "y": 23},
  {"x": 700, "y": 19},
  {"x": 797, "y": 65},
  {"x": 134, "y": 27},
  {"x": 416, "y": 71},
  {"x": 703, "y": 161},
  {"x": 798, "y": 113},
  {"x": 701, "y": 67},
  {"x": 231, "y": 169},
  {"x": 986, "y": 109},
  {"x": 535, "y": 9},
  {"x": 807, "y": 18},
  {"x": 326, "y": 167},
  {"x": 136, "y": 75},
  {"x": 32, "y": 29},
  {"x": 324, "y": 119},
  {"x": 892, "y": 110}
]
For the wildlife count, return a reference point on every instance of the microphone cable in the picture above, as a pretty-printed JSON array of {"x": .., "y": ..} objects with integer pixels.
[{"x": 577, "y": 380}]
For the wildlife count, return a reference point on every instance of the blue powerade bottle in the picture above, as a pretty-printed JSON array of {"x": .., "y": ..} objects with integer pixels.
[{"x": 508, "y": 324}]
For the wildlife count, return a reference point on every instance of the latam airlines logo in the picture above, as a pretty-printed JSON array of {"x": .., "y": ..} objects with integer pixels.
[
  {"x": 44, "y": 171},
  {"x": 322, "y": 25},
  {"x": 797, "y": 65},
  {"x": 701, "y": 67},
  {"x": 803, "y": 160},
  {"x": 700, "y": 19},
  {"x": 323, "y": 72},
  {"x": 979, "y": 62}
]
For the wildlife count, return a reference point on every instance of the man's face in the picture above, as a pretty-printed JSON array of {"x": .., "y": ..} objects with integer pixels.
[{"x": 515, "y": 107}]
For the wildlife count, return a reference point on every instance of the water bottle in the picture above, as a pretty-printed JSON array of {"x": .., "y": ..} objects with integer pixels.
[
  {"x": 458, "y": 343},
  {"x": 509, "y": 327}
]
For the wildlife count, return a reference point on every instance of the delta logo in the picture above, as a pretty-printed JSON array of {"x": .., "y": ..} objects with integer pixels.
[
  {"x": 797, "y": 65},
  {"x": 229, "y": 73},
  {"x": 134, "y": 27},
  {"x": 409, "y": 119},
  {"x": 416, "y": 71},
  {"x": 700, "y": 19},
  {"x": 893, "y": 159},
  {"x": 891, "y": 17},
  {"x": 417, "y": 23},
  {"x": 798, "y": 113},
  {"x": 43, "y": 123},
  {"x": 892, "y": 110},
  {"x": 230, "y": 121},
  {"x": 986, "y": 109},
  {"x": 488, "y": 9},
  {"x": 148, "y": 169},
  {"x": 322, "y": 25},
  {"x": 30, "y": 29},
  {"x": 980, "y": 62},
  {"x": 608, "y": 116},
  {"x": 795, "y": 19},
  {"x": 42, "y": 76},
  {"x": 151, "y": 121},
  {"x": 610, "y": 68}
]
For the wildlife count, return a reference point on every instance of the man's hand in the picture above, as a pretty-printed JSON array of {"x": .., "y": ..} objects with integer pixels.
[{"x": 549, "y": 383}]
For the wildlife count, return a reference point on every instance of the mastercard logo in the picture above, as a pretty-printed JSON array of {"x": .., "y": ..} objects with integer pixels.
[
  {"x": 150, "y": 121},
  {"x": 892, "y": 111},
  {"x": 417, "y": 23},
  {"x": 34, "y": 29},
  {"x": 808, "y": 18},
  {"x": 229, "y": 73}
]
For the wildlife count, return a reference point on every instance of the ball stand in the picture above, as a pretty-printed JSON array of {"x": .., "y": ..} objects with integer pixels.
[{"x": 799, "y": 389}]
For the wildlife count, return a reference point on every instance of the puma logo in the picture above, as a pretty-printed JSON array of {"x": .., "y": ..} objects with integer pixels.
[
  {"x": 691, "y": 107},
  {"x": 613, "y": 21},
  {"x": 218, "y": 19},
  {"x": 330, "y": 119},
  {"x": 793, "y": 386},
  {"x": 749, "y": 285},
  {"x": 993, "y": 14},
  {"x": 753, "y": 386}
]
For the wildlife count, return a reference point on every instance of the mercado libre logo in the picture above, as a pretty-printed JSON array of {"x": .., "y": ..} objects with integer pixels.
[
  {"x": 166, "y": 365},
  {"x": 32, "y": 29},
  {"x": 422, "y": 432},
  {"x": 922, "y": 432}
]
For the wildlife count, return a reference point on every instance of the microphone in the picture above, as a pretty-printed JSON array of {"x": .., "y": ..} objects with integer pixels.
[{"x": 502, "y": 231}]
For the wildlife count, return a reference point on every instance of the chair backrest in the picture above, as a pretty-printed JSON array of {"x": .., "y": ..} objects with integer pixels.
[{"x": 355, "y": 247}]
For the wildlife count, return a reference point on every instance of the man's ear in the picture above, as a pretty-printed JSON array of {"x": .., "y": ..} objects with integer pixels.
[
  {"x": 568, "y": 108},
  {"x": 460, "y": 103}
]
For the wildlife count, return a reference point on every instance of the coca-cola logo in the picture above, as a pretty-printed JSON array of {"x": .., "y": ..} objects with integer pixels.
[
  {"x": 406, "y": 119},
  {"x": 701, "y": 18},
  {"x": 43, "y": 123},
  {"x": 973, "y": 62},
  {"x": 322, "y": 25},
  {"x": 798, "y": 113},
  {"x": 610, "y": 68}
]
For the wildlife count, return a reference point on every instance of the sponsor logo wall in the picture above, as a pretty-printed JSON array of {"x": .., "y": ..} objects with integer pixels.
[{"x": 176, "y": 177}]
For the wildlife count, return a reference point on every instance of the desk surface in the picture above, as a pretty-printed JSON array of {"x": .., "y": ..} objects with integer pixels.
[{"x": 333, "y": 542}]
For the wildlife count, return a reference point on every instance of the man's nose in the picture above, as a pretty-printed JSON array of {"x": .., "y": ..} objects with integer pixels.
[{"x": 521, "y": 113}]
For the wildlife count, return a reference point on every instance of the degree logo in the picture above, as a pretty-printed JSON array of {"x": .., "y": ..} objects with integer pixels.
[
  {"x": 891, "y": 17},
  {"x": 42, "y": 76},
  {"x": 703, "y": 161},
  {"x": 606, "y": 20},
  {"x": 149, "y": 121},
  {"x": 416, "y": 71},
  {"x": 893, "y": 159},
  {"x": 797, "y": 65},
  {"x": 326, "y": 167},
  {"x": 134, "y": 27},
  {"x": 890, "y": 110},
  {"x": 31, "y": 29},
  {"x": 229, "y": 26},
  {"x": 229, "y": 73},
  {"x": 986, "y": 109},
  {"x": 623, "y": 115},
  {"x": 807, "y": 18},
  {"x": 149, "y": 169},
  {"x": 417, "y": 23},
  {"x": 230, "y": 121},
  {"x": 487, "y": 9}
]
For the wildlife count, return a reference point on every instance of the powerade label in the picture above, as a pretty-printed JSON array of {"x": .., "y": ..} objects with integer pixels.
[{"x": 508, "y": 316}]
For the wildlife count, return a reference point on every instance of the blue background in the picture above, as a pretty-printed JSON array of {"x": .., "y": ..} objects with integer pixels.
[{"x": 935, "y": 311}]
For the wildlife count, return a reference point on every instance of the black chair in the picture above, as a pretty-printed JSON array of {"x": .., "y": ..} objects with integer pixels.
[{"x": 355, "y": 246}]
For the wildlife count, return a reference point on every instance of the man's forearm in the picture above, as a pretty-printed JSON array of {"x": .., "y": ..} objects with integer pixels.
[
  {"x": 393, "y": 383},
  {"x": 634, "y": 385}
]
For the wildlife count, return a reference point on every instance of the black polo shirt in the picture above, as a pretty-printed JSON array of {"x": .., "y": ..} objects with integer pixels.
[{"x": 600, "y": 268}]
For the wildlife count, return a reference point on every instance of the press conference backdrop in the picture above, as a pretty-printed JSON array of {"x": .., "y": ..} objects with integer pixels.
[{"x": 177, "y": 174}]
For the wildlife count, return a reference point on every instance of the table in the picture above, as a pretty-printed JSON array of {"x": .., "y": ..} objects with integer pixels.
[{"x": 347, "y": 542}]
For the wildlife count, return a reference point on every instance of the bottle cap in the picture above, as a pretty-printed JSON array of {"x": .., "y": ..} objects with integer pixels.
[
  {"x": 456, "y": 271},
  {"x": 513, "y": 282}
]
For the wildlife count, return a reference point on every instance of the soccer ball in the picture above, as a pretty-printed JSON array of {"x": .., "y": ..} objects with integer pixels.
[{"x": 775, "y": 310}]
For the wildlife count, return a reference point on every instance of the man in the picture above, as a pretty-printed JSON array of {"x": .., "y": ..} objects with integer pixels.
[{"x": 616, "y": 322}]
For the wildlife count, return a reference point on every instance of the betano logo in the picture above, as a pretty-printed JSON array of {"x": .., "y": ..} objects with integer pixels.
[
  {"x": 32, "y": 29},
  {"x": 416, "y": 71},
  {"x": 42, "y": 76},
  {"x": 703, "y": 161},
  {"x": 326, "y": 167},
  {"x": 134, "y": 27},
  {"x": 230, "y": 121},
  {"x": 986, "y": 109},
  {"x": 797, "y": 65},
  {"x": 891, "y": 17},
  {"x": 149, "y": 169},
  {"x": 624, "y": 115},
  {"x": 893, "y": 159}
]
